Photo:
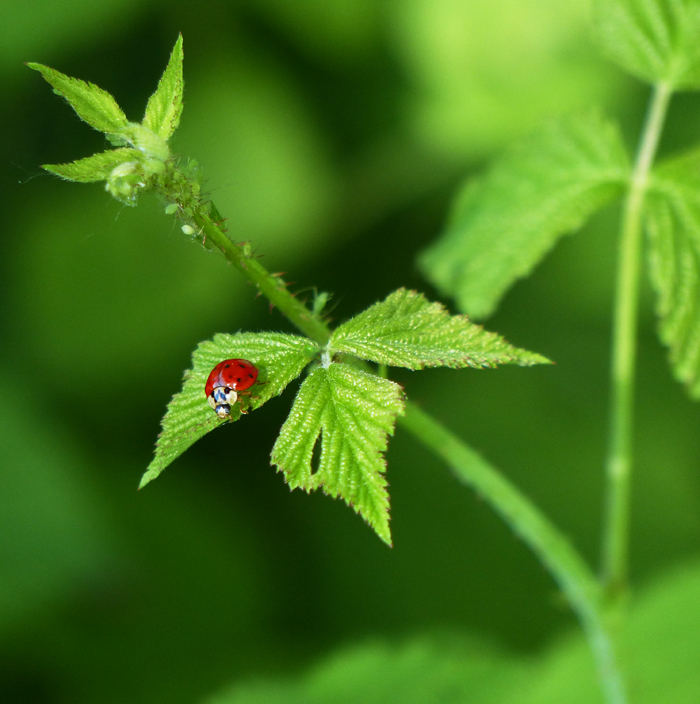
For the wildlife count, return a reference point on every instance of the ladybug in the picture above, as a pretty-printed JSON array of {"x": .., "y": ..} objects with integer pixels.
[{"x": 226, "y": 380}]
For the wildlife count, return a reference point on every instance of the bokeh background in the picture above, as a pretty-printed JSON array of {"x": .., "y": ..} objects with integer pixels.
[{"x": 334, "y": 136}]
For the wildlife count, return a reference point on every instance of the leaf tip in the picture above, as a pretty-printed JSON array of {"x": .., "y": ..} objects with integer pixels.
[
  {"x": 541, "y": 359},
  {"x": 148, "y": 477},
  {"x": 386, "y": 539},
  {"x": 177, "y": 48}
]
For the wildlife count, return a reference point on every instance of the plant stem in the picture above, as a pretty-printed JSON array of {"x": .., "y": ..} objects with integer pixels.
[
  {"x": 270, "y": 286},
  {"x": 619, "y": 459},
  {"x": 548, "y": 543}
]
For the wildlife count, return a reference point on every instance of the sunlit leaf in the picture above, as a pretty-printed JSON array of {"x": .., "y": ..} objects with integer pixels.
[
  {"x": 165, "y": 105},
  {"x": 94, "y": 105},
  {"x": 279, "y": 358},
  {"x": 353, "y": 412},
  {"x": 406, "y": 330},
  {"x": 97, "y": 167},
  {"x": 673, "y": 225},
  {"x": 504, "y": 223},
  {"x": 656, "y": 40}
]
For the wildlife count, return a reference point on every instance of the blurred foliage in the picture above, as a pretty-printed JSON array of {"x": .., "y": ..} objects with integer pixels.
[
  {"x": 333, "y": 135},
  {"x": 673, "y": 220},
  {"x": 502, "y": 225},
  {"x": 450, "y": 669}
]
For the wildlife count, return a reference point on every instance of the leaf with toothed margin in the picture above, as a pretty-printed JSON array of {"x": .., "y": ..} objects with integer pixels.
[
  {"x": 407, "y": 330},
  {"x": 672, "y": 214},
  {"x": 97, "y": 167},
  {"x": 279, "y": 359},
  {"x": 655, "y": 40},
  {"x": 352, "y": 412},
  {"x": 504, "y": 223},
  {"x": 165, "y": 105},
  {"x": 95, "y": 106}
]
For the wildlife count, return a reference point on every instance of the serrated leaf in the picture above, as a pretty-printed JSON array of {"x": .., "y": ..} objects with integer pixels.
[
  {"x": 353, "y": 412},
  {"x": 504, "y": 223},
  {"x": 655, "y": 40},
  {"x": 92, "y": 104},
  {"x": 279, "y": 358},
  {"x": 673, "y": 226},
  {"x": 97, "y": 167},
  {"x": 407, "y": 330},
  {"x": 165, "y": 105}
]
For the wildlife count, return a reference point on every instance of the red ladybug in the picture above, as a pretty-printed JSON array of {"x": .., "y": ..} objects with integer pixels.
[{"x": 226, "y": 380}]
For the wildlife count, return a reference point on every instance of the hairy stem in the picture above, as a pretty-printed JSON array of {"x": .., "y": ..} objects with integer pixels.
[
  {"x": 270, "y": 286},
  {"x": 548, "y": 543},
  {"x": 619, "y": 459}
]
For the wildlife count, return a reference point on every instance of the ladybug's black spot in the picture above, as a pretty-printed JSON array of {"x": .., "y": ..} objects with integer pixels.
[{"x": 226, "y": 366}]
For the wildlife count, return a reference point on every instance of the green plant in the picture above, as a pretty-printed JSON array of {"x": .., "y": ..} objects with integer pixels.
[
  {"x": 502, "y": 225},
  {"x": 341, "y": 400}
]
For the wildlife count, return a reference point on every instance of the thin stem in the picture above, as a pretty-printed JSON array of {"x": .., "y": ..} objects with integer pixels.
[
  {"x": 548, "y": 543},
  {"x": 270, "y": 286},
  {"x": 619, "y": 459}
]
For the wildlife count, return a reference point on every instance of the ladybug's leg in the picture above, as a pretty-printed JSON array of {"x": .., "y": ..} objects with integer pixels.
[
  {"x": 248, "y": 395},
  {"x": 241, "y": 394},
  {"x": 250, "y": 391}
]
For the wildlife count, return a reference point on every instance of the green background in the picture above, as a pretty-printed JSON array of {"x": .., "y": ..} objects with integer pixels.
[{"x": 333, "y": 135}]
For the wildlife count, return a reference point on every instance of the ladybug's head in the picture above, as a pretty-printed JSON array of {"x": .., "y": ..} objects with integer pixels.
[{"x": 221, "y": 399}]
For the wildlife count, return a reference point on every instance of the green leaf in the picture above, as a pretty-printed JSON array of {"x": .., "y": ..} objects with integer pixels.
[
  {"x": 94, "y": 105},
  {"x": 656, "y": 40},
  {"x": 165, "y": 105},
  {"x": 673, "y": 226},
  {"x": 279, "y": 358},
  {"x": 406, "y": 330},
  {"x": 504, "y": 223},
  {"x": 97, "y": 167},
  {"x": 353, "y": 412}
]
